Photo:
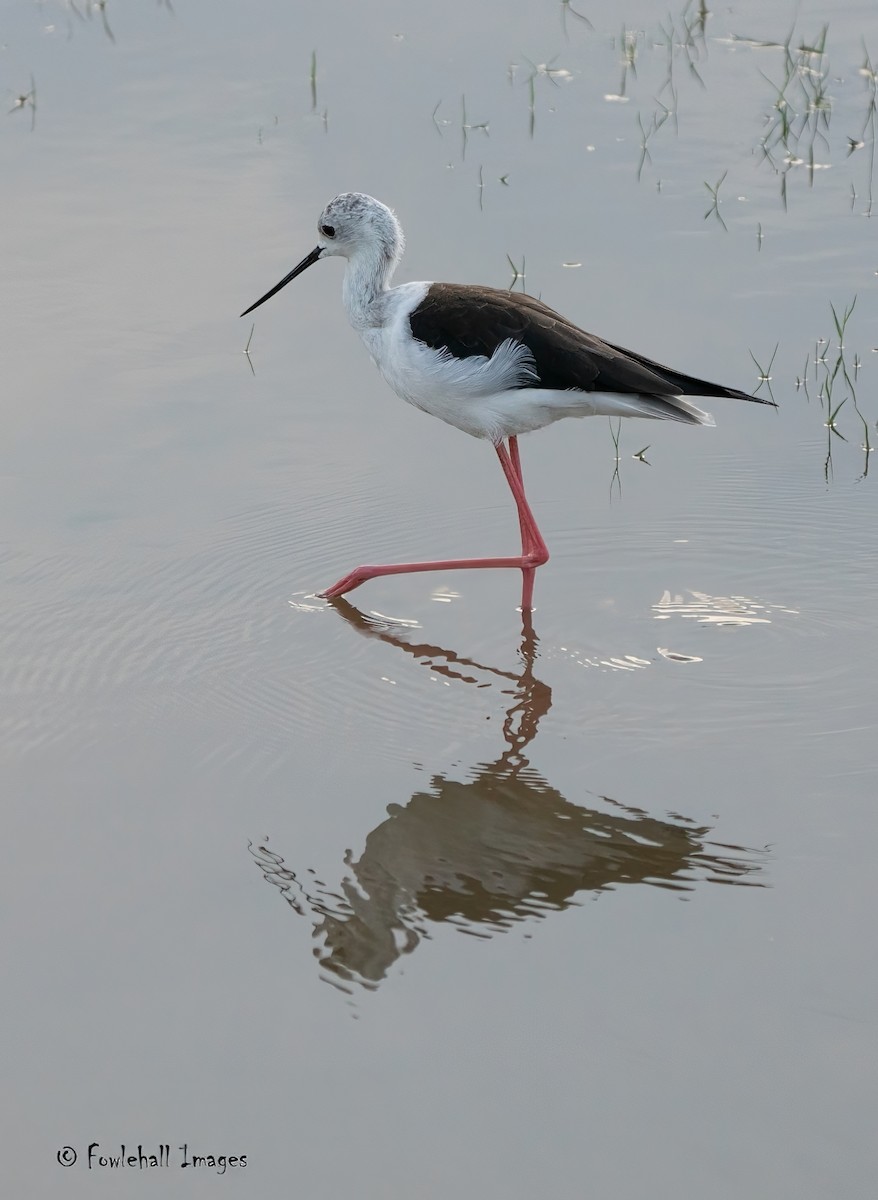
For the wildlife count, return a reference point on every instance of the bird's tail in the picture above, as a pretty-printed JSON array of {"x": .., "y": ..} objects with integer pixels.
[
  {"x": 676, "y": 408},
  {"x": 662, "y": 408},
  {"x": 688, "y": 385}
]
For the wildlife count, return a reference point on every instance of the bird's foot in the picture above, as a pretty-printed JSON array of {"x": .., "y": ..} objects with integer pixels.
[{"x": 348, "y": 582}]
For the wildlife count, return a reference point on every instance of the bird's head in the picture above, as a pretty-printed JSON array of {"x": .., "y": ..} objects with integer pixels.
[{"x": 353, "y": 225}]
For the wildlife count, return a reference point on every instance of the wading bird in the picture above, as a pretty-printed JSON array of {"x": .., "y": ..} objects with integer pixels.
[{"x": 495, "y": 364}]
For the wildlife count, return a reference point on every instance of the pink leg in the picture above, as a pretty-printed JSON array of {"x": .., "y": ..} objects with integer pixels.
[
  {"x": 533, "y": 549},
  {"x": 531, "y": 538},
  {"x": 532, "y": 544},
  {"x": 516, "y": 466}
]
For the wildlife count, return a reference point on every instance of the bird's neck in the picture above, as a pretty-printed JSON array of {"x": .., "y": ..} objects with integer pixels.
[{"x": 366, "y": 279}]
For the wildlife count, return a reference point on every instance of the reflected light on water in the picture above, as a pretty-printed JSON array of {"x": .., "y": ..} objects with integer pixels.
[{"x": 716, "y": 610}]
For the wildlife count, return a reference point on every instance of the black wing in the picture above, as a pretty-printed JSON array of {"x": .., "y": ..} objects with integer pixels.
[{"x": 466, "y": 320}]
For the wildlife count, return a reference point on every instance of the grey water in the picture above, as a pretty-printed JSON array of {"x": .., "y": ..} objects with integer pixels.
[{"x": 413, "y": 894}]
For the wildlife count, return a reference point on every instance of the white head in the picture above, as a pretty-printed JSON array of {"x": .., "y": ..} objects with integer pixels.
[
  {"x": 356, "y": 227},
  {"x": 354, "y": 223}
]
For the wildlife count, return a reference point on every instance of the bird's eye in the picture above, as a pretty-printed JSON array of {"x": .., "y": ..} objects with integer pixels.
[{"x": 327, "y": 231}]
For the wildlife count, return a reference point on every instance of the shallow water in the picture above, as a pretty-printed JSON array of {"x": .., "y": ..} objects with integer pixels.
[{"x": 246, "y": 828}]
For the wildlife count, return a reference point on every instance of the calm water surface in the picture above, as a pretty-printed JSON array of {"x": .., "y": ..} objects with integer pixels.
[{"x": 406, "y": 895}]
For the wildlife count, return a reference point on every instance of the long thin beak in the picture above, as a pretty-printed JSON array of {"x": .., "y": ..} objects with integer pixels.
[{"x": 306, "y": 262}]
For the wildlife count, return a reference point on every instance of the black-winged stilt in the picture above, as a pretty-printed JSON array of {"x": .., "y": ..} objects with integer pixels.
[{"x": 495, "y": 364}]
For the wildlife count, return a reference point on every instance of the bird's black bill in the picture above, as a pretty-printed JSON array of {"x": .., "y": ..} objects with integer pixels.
[{"x": 306, "y": 262}]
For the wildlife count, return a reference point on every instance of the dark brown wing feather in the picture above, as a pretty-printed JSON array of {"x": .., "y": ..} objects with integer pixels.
[{"x": 467, "y": 319}]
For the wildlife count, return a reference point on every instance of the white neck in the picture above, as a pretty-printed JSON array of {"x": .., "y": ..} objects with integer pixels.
[{"x": 366, "y": 279}]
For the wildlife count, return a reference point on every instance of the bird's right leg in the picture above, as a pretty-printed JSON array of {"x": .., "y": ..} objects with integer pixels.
[{"x": 533, "y": 549}]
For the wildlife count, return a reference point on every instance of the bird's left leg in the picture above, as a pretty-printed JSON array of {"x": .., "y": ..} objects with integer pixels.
[
  {"x": 533, "y": 548},
  {"x": 534, "y": 551},
  {"x": 531, "y": 540}
]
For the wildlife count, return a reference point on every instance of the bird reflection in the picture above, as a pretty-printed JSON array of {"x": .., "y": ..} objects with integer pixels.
[{"x": 501, "y": 847}]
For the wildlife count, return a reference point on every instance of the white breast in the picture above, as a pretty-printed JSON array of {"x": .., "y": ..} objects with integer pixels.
[{"x": 472, "y": 394}]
